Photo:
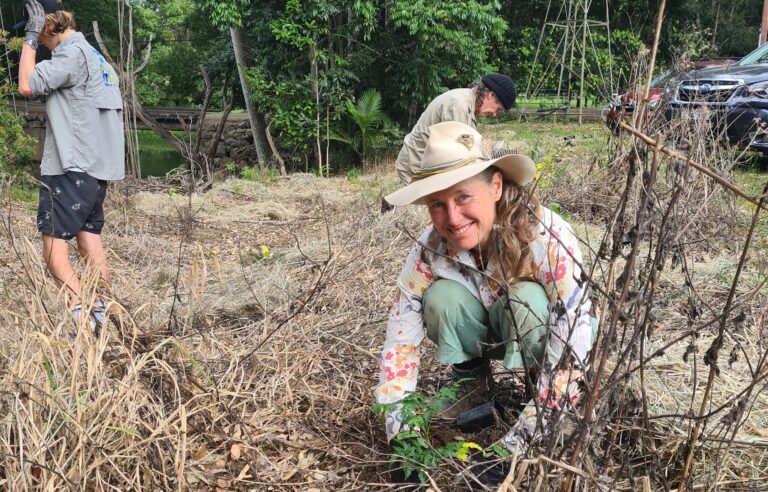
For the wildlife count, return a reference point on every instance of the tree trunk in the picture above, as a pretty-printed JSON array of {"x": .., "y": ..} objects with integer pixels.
[
  {"x": 228, "y": 103},
  {"x": 272, "y": 146},
  {"x": 258, "y": 125},
  {"x": 714, "y": 28}
]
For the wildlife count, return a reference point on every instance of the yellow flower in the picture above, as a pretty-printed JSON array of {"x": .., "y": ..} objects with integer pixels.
[
  {"x": 463, "y": 452},
  {"x": 265, "y": 253}
]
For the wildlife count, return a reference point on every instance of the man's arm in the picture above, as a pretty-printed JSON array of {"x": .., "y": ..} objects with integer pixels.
[
  {"x": 26, "y": 67},
  {"x": 35, "y": 25}
]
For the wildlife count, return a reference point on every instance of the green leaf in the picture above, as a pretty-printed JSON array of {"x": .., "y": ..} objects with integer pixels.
[{"x": 49, "y": 372}]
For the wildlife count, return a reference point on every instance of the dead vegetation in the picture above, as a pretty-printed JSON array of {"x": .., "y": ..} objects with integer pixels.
[{"x": 229, "y": 368}]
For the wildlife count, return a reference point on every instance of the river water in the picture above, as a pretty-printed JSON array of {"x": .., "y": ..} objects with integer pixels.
[{"x": 157, "y": 157}]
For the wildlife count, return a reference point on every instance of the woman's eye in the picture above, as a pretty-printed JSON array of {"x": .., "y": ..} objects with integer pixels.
[
  {"x": 435, "y": 206},
  {"x": 463, "y": 198}
]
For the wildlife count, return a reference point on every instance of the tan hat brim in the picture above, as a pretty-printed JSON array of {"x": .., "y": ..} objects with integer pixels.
[{"x": 519, "y": 169}]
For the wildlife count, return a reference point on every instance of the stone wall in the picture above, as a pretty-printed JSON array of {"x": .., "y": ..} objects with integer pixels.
[
  {"x": 236, "y": 142},
  {"x": 34, "y": 125}
]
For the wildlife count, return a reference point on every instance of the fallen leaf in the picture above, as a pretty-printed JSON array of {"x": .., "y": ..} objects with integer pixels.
[
  {"x": 201, "y": 453},
  {"x": 234, "y": 452},
  {"x": 244, "y": 472}
]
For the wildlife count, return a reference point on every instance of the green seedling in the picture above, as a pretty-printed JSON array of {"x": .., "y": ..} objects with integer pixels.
[
  {"x": 412, "y": 448},
  {"x": 555, "y": 207}
]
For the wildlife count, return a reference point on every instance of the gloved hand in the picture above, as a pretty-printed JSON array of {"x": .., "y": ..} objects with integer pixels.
[
  {"x": 488, "y": 471},
  {"x": 562, "y": 393},
  {"x": 401, "y": 438},
  {"x": 36, "y": 20},
  {"x": 517, "y": 440},
  {"x": 393, "y": 422}
]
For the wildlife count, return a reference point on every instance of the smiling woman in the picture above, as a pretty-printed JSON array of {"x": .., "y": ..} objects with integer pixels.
[{"x": 496, "y": 276}]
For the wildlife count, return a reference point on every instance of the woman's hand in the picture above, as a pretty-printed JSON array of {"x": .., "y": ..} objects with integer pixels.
[
  {"x": 562, "y": 392},
  {"x": 393, "y": 422}
]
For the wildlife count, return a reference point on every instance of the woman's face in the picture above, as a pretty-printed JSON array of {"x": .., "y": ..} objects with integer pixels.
[{"x": 464, "y": 214}]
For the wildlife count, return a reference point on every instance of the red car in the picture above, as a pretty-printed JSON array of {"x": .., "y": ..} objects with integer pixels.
[{"x": 624, "y": 104}]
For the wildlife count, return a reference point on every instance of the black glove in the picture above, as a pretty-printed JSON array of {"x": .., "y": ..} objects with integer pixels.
[
  {"x": 487, "y": 471},
  {"x": 36, "y": 20}
]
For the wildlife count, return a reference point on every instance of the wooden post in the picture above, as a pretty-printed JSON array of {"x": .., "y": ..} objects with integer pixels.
[
  {"x": 656, "y": 35},
  {"x": 316, "y": 95},
  {"x": 764, "y": 24},
  {"x": 583, "y": 59}
]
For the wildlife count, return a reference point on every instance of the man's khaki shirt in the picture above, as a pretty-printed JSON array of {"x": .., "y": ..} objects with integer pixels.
[{"x": 454, "y": 105}]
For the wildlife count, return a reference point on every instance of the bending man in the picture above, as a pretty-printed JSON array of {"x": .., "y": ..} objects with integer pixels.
[{"x": 486, "y": 97}]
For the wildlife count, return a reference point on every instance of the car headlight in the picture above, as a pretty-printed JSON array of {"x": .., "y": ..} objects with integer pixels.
[{"x": 758, "y": 90}]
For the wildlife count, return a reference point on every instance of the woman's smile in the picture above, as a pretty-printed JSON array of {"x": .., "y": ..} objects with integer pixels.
[{"x": 458, "y": 231}]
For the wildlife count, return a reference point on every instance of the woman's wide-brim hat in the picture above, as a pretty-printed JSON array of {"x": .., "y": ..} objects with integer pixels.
[{"x": 453, "y": 154}]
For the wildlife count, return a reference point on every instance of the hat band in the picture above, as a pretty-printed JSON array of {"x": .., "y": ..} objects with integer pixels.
[{"x": 443, "y": 168}]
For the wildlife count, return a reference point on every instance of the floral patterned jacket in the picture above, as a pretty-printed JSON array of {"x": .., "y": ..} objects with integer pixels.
[{"x": 555, "y": 265}]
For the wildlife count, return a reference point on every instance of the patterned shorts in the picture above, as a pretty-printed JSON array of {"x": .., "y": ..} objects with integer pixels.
[{"x": 70, "y": 203}]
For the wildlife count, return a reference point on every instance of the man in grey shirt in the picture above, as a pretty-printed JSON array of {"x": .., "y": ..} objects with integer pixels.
[{"x": 84, "y": 145}]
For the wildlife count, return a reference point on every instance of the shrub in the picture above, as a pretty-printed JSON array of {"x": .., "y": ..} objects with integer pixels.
[{"x": 16, "y": 148}]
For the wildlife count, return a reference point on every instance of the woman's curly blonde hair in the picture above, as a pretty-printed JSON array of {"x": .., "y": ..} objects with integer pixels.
[{"x": 515, "y": 227}]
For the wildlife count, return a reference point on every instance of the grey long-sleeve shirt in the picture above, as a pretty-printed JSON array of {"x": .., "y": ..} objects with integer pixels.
[{"x": 84, "y": 111}]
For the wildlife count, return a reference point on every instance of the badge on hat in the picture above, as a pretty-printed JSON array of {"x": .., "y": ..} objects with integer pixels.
[{"x": 466, "y": 140}]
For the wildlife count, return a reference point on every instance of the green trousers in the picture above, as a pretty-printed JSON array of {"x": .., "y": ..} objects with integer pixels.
[{"x": 461, "y": 326}]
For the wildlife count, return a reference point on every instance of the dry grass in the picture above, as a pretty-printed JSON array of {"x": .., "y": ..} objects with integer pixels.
[{"x": 228, "y": 371}]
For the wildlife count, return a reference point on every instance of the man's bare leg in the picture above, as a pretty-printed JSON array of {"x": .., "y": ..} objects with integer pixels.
[
  {"x": 91, "y": 249},
  {"x": 56, "y": 258}
]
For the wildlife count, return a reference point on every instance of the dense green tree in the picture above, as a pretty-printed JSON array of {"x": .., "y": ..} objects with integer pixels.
[
  {"x": 229, "y": 14},
  {"x": 16, "y": 148},
  {"x": 426, "y": 47}
]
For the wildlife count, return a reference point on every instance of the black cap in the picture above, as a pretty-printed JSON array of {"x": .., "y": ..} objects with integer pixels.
[
  {"x": 502, "y": 86},
  {"x": 49, "y": 6}
]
